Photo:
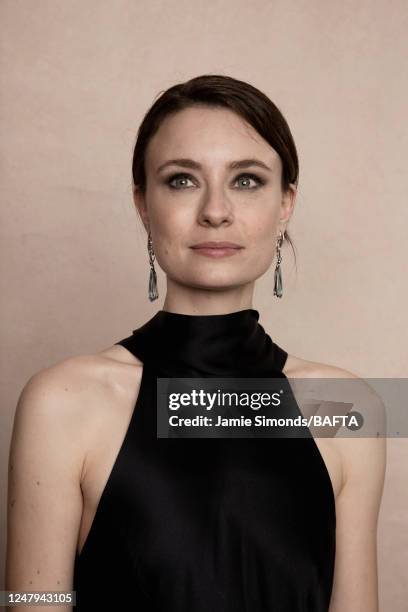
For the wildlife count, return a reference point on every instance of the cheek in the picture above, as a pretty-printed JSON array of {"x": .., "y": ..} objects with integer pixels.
[
  {"x": 262, "y": 243},
  {"x": 262, "y": 233},
  {"x": 166, "y": 219},
  {"x": 171, "y": 231}
]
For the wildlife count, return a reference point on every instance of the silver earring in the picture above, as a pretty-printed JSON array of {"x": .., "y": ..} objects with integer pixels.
[
  {"x": 153, "y": 293},
  {"x": 278, "y": 286}
]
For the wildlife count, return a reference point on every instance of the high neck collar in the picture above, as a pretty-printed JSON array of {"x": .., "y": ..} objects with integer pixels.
[{"x": 231, "y": 344}]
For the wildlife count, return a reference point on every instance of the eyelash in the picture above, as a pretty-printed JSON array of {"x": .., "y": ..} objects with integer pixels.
[{"x": 246, "y": 175}]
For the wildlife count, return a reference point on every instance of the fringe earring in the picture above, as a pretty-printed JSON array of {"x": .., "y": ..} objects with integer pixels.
[
  {"x": 278, "y": 286},
  {"x": 153, "y": 293}
]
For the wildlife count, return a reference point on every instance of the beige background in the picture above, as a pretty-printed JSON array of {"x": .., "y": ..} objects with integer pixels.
[{"x": 77, "y": 76}]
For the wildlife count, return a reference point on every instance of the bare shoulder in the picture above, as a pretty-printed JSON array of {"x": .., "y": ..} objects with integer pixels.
[
  {"x": 72, "y": 397},
  {"x": 78, "y": 377},
  {"x": 295, "y": 367},
  {"x": 362, "y": 452},
  {"x": 358, "y": 392}
]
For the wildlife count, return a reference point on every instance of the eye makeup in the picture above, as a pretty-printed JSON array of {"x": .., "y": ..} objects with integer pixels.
[{"x": 246, "y": 175}]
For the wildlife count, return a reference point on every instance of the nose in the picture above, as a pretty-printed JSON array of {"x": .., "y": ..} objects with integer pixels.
[{"x": 215, "y": 208}]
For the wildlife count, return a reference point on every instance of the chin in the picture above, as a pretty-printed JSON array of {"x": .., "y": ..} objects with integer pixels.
[{"x": 211, "y": 283}]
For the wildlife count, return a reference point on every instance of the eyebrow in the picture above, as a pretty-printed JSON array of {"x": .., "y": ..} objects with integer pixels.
[{"x": 190, "y": 163}]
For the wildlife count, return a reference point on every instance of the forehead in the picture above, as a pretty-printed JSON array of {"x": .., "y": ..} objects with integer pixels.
[{"x": 208, "y": 135}]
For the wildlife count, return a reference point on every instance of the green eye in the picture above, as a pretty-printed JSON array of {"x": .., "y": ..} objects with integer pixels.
[
  {"x": 178, "y": 177},
  {"x": 182, "y": 180},
  {"x": 248, "y": 178}
]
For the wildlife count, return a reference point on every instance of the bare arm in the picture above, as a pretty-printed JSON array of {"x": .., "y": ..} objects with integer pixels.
[
  {"x": 355, "y": 586},
  {"x": 44, "y": 503}
]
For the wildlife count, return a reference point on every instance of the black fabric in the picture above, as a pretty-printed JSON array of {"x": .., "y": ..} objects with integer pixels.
[{"x": 209, "y": 525}]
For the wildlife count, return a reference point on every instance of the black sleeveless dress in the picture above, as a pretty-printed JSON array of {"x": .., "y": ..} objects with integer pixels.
[{"x": 209, "y": 525}]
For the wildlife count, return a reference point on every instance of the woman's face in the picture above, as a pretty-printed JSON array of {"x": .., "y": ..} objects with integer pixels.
[{"x": 204, "y": 199}]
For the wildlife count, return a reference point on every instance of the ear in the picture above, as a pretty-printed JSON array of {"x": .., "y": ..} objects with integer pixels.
[
  {"x": 140, "y": 203},
  {"x": 288, "y": 205}
]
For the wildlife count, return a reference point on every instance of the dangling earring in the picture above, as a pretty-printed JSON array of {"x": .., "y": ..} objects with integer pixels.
[
  {"x": 278, "y": 286},
  {"x": 153, "y": 293}
]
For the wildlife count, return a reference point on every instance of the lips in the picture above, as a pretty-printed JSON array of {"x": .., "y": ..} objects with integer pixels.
[
  {"x": 217, "y": 250},
  {"x": 216, "y": 245}
]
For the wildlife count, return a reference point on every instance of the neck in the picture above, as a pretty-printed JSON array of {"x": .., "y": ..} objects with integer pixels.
[{"x": 197, "y": 301}]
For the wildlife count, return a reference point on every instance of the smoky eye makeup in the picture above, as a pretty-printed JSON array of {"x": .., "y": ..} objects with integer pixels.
[
  {"x": 248, "y": 176},
  {"x": 177, "y": 177}
]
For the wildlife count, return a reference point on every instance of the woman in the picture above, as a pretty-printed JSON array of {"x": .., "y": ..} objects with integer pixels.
[{"x": 97, "y": 502}]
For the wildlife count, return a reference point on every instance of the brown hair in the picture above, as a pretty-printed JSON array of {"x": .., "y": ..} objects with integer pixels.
[{"x": 221, "y": 91}]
